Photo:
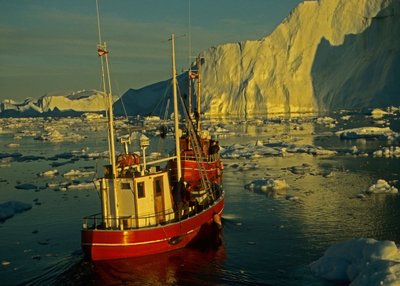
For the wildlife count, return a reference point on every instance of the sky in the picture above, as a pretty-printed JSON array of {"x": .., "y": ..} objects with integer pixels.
[{"x": 50, "y": 46}]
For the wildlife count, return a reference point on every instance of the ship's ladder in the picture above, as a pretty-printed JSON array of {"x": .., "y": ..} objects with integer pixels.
[{"x": 200, "y": 157}]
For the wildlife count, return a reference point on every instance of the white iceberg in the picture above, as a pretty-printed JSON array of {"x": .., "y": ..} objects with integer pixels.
[
  {"x": 362, "y": 262},
  {"x": 367, "y": 132},
  {"x": 382, "y": 187}
]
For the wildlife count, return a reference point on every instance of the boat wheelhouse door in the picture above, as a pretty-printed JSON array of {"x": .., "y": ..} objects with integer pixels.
[{"x": 159, "y": 206}]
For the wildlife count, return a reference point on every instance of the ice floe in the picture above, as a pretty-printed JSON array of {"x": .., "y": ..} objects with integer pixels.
[
  {"x": 378, "y": 113},
  {"x": 73, "y": 185},
  {"x": 387, "y": 152},
  {"x": 56, "y": 136},
  {"x": 362, "y": 262},
  {"x": 5, "y": 162},
  {"x": 81, "y": 186},
  {"x": 271, "y": 187},
  {"x": 382, "y": 187},
  {"x": 10, "y": 208},
  {"x": 368, "y": 133},
  {"x": 12, "y": 145},
  {"x": 49, "y": 173},
  {"x": 300, "y": 170},
  {"x": 79, "y": 173},
  {"x": 327, "y": 121}
]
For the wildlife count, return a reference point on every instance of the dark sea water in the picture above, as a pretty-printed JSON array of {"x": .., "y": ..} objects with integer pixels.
[{"x": 268, "y": 239}]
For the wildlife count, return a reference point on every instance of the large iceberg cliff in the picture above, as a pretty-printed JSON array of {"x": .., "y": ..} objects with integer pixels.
[{"x": 325, "y": 55}]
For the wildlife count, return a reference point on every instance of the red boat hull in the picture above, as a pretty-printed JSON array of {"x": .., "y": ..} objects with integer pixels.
[{"x": 101, "y": 244}]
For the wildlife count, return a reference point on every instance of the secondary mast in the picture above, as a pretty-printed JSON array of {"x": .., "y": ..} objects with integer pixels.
[
  {"x": 198, "y": 63},
  {"x": 103, "y": 54},
  {"x": 176, "y": 115}
]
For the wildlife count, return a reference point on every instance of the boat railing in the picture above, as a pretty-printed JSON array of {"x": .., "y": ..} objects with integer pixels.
[{"x": 97, "y": 221}]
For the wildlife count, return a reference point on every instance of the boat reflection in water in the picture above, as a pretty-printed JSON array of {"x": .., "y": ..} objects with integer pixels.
[{"x": 181, "y": 267}]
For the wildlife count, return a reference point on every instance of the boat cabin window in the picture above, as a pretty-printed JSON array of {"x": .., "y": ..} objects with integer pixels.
[
  {"x": 140, "y": 190},
  {"x": 125, "y": 186},
  {"x": 158, "y": 186}
]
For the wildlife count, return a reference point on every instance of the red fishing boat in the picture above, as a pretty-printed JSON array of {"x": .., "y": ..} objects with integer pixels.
[
  {"x": 199, "y": 152},
  {"x": 150, "y": 207}
]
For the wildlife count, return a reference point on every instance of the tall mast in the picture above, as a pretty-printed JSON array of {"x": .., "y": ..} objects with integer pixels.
[
  {"x": 190, "y": 66},
  {"x": 176, "y": 115},
  {"x": 198, "y": 63},
  {"x": 103, "y": 54}
]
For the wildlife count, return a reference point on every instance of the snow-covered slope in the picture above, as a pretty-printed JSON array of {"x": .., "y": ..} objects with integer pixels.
[
  {"x": 80, "y": 101},
  {"x": 325, "y": 55}
]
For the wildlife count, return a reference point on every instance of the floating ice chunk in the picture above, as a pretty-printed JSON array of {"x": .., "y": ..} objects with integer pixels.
[
  {"x": 380, "y": 122},
  {"x": 49, "y": 173},
  {"x": 81, "y": 186},
  {"x": 327, "y": 121},
  {"x": 92, "y": 116},
  {"x": 78, "y": 173},
  {"x": 382, "y": 187},
  {"x": 322, "y": 152},
  {"x": 360, "y": 261},
  {"x": 56, "y": 136},
  {"x": 266, "y": 185},
  {"x": 367, "y": 132},
  {"x": 300, "y": 170},
  {"x": 5, "y": 263},
  {"x": 292, "y": 198},
  {"x": 255, "y": 150},
  {"x": 8, "y": 209},
  {"x": 5, "y": 162},
  {"x": 387, "y": 152},
  {"x": 93, "y": 155},
  {"x": 360, "y": 196},
  {"x": 151, "y": 119},
  {"x": 378, "y": 113},
  {"x": 13, "y": 145},
  {"x": 354, "y": 150},
  {"x": 52, "y": 185},
  {"x": 309, "y": 149},
  {"x": 248, "y": 166}
]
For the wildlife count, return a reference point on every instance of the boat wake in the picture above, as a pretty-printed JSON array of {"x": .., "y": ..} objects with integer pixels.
[{"x": 61, "y": 273}]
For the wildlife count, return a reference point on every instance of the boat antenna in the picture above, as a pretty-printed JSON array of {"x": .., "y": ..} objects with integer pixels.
[
  {"x": 102, "y": 52},
  {"x": 198, "y": 63},
  {"x": 176, "y": 115},
  {"x": 190, "y": 64}
]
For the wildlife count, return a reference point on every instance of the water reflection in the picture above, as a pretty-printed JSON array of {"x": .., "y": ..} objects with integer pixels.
[
  {"x": 187, "y": 266},
  {"x": 183, "y": 267}
]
